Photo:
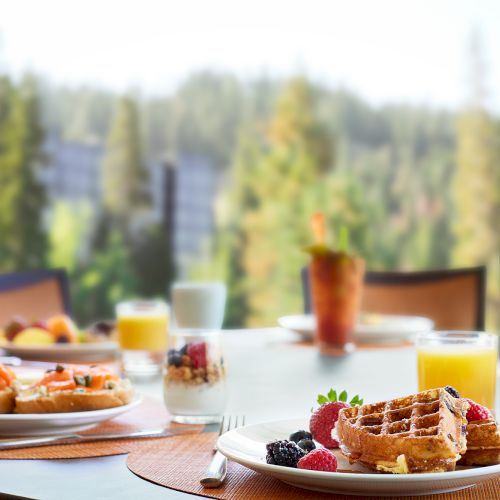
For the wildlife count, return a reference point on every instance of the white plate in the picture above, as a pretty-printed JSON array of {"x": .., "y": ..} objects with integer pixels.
[
  {"x": 52, "y": 424},
  {"x": 370, "y": 327},
  {"x": 246, "y": 446},
  {"x": 93, "y": 351}
]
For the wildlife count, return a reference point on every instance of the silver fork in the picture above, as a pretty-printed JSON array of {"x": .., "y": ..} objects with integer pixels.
[{"x": 216, "y": 472}]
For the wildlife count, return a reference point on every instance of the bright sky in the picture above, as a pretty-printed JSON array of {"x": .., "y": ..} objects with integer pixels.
[{"x": 386, "y": 50}]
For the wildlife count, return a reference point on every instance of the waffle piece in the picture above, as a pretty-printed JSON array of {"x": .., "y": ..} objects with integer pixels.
[
  {"x": 483, "y": 443},
  {"x": 424, "y": 432}
]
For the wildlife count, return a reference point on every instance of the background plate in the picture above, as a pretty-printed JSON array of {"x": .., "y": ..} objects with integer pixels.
[
  {"x": 52, "y": 424},
  {"x": 370, "y": 328},
  {"x": 246, "y": 446}
]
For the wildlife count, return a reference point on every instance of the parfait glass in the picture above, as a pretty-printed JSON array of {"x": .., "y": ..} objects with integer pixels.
[{"x": 194, "y": 376}]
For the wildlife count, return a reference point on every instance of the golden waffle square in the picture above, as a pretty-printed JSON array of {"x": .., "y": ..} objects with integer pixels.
[
  {"x": 483, "y": 443},
  {"x": 424, "y": 432}
]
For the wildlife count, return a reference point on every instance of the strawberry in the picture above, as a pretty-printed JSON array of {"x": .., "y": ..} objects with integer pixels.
[
  {"x": 477, "y": 412},
  {"x": 323, "y": 420},
  {"x": 319, "y": 459},
  {"x": 197, "y": 351}
]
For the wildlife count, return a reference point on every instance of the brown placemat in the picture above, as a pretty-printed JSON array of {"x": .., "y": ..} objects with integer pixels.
[
  {"x": 180, "y": 461},
  {"x": 150, "y": 414}
]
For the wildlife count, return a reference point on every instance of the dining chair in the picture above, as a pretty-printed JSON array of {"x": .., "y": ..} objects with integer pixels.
[
  {"x": 453, "y": 298},
  {"x": 34, "y": 294}
]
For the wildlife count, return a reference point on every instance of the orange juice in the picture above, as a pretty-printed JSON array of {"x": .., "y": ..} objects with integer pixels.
[
  {"x": 146, "y": 333},
  {"x": 465, "y": 360}
]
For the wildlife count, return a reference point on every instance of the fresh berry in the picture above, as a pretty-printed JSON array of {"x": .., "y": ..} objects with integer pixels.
[
  {"x": 198, "y": 354},
  {"x": 17, "y": 325},
  {"x": 319, "y": 459},
  {"x": 174, "y": 358},
  {"x": 306, "y": 444},
  {"x": 325, "y": 417},
  {"x": 297, "y": 436},
  {"x": 323, "y": 421},
  {"x": 477, "y": 412},
  {"x": 183, "y": 350},
  {"x": 284, "y": 453},
  {"x": 451, "y": 390}
]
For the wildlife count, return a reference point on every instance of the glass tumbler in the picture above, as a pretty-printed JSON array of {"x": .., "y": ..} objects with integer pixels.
[
  {"x": 194, "y": 376},
  {"x": 465, "y": 360},
  {"x": 142, "y": 327}
]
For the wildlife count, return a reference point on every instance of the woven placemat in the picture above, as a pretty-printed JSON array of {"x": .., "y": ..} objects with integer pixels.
[
  {"x": 150, "y": 414},
  {"x": 179, "y": 462}
]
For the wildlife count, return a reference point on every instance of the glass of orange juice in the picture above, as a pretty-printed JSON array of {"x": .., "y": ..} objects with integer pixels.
[
  {"x": 465, "y": 360},
  {"x": 142, "y": 327}
]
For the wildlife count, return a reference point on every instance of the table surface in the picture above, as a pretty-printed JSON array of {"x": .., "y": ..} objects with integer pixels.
[{"x": 270, "y": 377}]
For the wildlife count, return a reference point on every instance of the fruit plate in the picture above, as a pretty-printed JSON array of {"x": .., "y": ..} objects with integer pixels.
[
  {"x": 92, "y": 351},
  {"x": 53, "y": 424},
  {"x": 246, "y": 446},
  {"x": 370, "y": 327}
]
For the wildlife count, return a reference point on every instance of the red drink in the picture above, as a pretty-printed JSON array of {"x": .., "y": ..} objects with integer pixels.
[{"x": 336, "y": 285}]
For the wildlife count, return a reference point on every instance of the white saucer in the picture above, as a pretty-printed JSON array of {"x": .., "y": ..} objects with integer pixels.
[
  {"x": 52, "y": 424},
  {"x": 370, "y": 327},
  {"x": 246, "y": 446}
]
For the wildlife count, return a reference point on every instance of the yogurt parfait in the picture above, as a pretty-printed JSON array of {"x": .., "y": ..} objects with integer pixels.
[{"x": 194, "y": 377}]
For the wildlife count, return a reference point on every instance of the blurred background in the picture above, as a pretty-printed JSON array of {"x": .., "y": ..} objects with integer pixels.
[{"x": 142, "y": 142}]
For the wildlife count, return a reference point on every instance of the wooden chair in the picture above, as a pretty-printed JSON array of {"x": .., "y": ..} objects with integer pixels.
[
  {"x": 453, "y": 298},
  {"x": 34, "y": 294}
]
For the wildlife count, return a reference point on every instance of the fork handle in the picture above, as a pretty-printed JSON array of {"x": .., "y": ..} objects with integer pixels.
[{"x": 216, "y": 471}]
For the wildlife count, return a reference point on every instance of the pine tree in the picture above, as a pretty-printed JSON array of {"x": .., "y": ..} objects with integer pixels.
[
  {"x": 23, "y": 241},
  {"x": 124, "y": 176}
]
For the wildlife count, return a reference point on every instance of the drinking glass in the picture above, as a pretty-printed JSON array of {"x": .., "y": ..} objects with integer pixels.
[
  {"x": 194, "y": 376},
  {"x": 198, "y": 304},
  {"x": 336, "y": 286},
  {"x": 142, "y": 327},
  {"x": 465, "y": 360}
]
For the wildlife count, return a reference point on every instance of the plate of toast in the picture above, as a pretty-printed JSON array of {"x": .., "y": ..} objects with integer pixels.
[
  {"x": 64, "y": 399},
  {"x": 420, "y": 444}
]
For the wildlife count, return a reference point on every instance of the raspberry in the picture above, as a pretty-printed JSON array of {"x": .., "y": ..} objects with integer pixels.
[
  {"x": 477, "y": 412},
  {"x": 284, "y": 453},
  {"x": 319, "y": 459},
  {"x": 198, "y": 354},
  {"x": 323, "y": 421}
]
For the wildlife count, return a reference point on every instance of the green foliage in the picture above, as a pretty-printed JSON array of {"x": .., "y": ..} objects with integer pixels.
[
  {"x": 124, "y": 176},
  {"x": 332, "y": 397},
  {"x": 23, "y": 239}
]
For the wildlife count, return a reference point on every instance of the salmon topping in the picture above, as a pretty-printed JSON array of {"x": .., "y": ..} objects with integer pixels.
[
  {"x": 7, "y": 376},
  {"x": 62, "y": 378}
]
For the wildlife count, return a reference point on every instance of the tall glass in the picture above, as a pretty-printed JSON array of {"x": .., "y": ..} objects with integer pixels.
[
  {"x": 465, "y": 360},
  {"x": 336, "y": 285},
  {"x": 194, "y": 376},
  {"x": 142, "y": 334}
]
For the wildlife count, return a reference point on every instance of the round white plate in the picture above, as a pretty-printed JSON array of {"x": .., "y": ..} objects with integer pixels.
[
  {"x": 247, "y": 446},
  {"x": 370, "y": 327},
  {"x": 52, "y": 424},
  {"x": 93, "y": 351}
]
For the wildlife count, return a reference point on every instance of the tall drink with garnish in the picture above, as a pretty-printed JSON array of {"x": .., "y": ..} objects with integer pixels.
[{"x": 336, "y": 279}]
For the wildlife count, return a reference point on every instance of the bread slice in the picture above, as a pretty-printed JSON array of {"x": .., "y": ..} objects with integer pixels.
[
  {"x": 7, "y": 400},
  {"x": 73, "y": 401}
]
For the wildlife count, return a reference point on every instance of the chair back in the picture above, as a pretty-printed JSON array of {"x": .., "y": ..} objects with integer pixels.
[
  {"x": 453, "y": 298},
  {"x": 34, "y": 295}
]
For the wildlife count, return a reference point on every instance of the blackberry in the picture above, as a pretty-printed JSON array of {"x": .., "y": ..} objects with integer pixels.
[
  {"x": 451, "y": 390},
  {"x": 183, "y": 350},
  {"x": 307, "y": 445},
  {"x": 299, "y": 435},
  {"x": 283, "y": 453}
]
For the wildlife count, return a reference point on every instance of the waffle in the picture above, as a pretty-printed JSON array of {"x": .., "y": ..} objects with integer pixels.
[
  {"x": 483, "y": 443},
  {"x": 424, "y": 432}
]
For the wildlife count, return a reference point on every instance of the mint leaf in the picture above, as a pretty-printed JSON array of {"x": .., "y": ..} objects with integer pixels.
[
  {"x": 332, "y": 395},
  {"x": 343, "y": 396},
  {"x": 322, "y": 399}
]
